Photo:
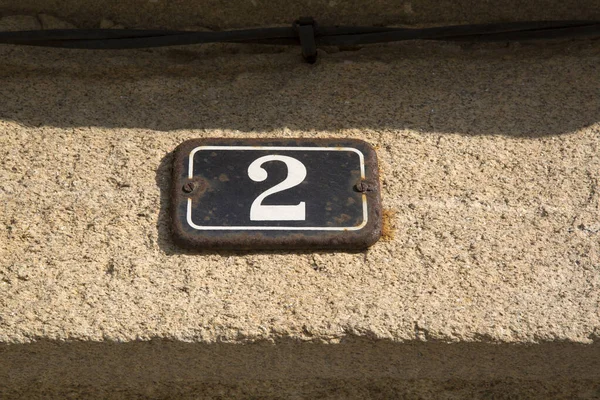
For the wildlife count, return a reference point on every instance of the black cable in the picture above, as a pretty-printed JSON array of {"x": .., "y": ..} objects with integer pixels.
[{"x": 304, "y": 32}]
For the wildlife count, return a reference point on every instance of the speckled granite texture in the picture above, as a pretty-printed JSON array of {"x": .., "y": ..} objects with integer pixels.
[{"x": 486, "y": 284}]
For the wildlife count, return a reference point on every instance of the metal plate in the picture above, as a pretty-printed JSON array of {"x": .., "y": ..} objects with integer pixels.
[{"x": 275, "y": 194}]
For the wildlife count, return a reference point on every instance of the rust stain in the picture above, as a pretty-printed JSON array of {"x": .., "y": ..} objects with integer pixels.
[
  {"x": 223, "y": 178},
  {"x": 342, "y": 219},
  {"x": 389, "y": 224}
]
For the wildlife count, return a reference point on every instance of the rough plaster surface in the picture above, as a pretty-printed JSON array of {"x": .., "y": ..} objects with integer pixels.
[{"x": 490, "y": 167}]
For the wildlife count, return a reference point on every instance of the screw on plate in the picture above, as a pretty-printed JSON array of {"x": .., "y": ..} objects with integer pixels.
[
  {"x": 188, "y": 187},
  {"x": 364, "y": 187}
]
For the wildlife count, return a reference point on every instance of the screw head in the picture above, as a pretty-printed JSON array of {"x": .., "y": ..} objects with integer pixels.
[
  {"x": 363, "y": 187},
  {"x": 188, "y": 187}
]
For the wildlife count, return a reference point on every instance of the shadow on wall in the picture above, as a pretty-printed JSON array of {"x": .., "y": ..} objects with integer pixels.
[
  {"x": 355, "y": 369},
  {"x": 226, "y": 14},
  {"x": 515, "y": 91}
]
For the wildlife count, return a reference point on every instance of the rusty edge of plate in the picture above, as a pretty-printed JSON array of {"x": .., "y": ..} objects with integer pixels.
[{"x": 257, "y": 240}]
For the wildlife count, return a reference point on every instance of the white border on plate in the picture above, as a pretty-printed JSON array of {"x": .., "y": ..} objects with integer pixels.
[{"x": 276, "y": 228}]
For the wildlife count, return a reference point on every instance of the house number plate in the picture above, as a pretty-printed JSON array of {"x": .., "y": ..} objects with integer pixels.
[{"x": 275, "y": 194}]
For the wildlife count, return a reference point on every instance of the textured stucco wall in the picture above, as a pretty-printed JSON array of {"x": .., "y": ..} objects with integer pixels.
[{"x": 487, "y": 283}]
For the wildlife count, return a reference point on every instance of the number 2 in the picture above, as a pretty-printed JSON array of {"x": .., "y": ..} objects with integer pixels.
[{"x": 296, "y": 175}]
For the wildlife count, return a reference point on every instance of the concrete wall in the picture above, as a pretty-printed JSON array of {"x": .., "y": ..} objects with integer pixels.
[{"x": 486, "y": 284}]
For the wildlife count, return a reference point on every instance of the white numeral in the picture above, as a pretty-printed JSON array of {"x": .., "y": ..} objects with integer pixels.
[{"x": 296, "y": 174}]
